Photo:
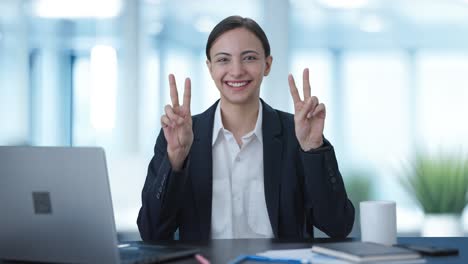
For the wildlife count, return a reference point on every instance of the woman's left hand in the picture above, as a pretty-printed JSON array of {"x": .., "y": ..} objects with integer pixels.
[{"x": 309, "y": 115}]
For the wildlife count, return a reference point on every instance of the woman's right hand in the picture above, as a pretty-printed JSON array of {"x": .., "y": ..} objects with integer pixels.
[{"x": 177, "y": 125}]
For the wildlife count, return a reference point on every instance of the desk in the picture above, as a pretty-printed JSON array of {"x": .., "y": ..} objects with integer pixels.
[{"x": 224, "y": 250}]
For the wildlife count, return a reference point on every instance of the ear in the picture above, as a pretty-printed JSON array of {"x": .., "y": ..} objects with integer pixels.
[
  {"x": 208, "y": 64},
  {"x": 268, "y": 62}
]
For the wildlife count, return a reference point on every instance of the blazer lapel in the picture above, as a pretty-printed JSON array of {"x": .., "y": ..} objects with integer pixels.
[
  {"x": 201, "y": 168},
  {"x": 272, "y": 153}
]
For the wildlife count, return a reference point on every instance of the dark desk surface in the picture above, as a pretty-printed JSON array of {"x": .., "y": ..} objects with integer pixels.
[{"x": 225, "y": 250}]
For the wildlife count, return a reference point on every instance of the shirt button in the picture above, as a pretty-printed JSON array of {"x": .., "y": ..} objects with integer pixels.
[
  {"x": 237, "y": 159},
  {"x": 333, "y": 179}
]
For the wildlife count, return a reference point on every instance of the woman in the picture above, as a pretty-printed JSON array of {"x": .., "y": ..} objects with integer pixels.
[{"x": 242, "y": 169}]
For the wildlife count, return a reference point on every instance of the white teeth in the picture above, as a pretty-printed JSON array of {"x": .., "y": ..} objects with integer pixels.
[{"x": 236, "y": 84}]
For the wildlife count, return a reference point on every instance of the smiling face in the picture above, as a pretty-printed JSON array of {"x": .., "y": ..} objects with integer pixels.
[{"x": 237, "y": 66}]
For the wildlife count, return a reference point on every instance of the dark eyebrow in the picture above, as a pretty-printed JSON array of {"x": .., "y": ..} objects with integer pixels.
[
  {"x": 222, "y": 53},
  {"x": 249, "y": 51},
  {"x": 242, "y": 53}
]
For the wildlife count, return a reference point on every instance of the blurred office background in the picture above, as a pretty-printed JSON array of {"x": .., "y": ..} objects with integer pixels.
[{"x": 393, "y": 74}]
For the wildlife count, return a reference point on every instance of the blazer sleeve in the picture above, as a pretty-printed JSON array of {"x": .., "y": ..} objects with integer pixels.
[
  {"x": 160, "y": 197},
  {"x": 326, "y": 200}
]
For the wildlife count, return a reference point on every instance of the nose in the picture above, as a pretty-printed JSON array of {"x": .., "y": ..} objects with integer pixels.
[{"x": 237, "y": 68}]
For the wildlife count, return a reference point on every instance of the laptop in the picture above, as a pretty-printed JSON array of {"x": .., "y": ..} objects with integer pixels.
[{"x": 56, "y": 206}]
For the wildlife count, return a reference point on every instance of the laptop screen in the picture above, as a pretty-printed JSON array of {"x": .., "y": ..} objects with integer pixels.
[{"x": 56, "y": 205}]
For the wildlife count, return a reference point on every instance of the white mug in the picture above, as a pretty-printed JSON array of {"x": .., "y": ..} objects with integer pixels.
[{"x": 378, "y": 222}]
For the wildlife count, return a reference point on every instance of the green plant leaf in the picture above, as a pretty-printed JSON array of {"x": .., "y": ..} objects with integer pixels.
[{"x": 439, "y": 183}]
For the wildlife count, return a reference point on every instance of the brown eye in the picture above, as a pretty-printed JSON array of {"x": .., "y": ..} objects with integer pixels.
[{"x": 222, "y": 60}]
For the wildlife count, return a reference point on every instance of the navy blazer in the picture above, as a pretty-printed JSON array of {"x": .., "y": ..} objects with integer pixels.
[{"x": 301, "y": 188}]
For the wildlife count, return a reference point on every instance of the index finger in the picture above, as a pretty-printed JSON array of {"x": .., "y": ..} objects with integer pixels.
[
  {"x": 187, "y": 94},
  {"x": 306, "y": 83},
  {"x": 173, "y": 87},
  {"x": 293, "y": 89}
]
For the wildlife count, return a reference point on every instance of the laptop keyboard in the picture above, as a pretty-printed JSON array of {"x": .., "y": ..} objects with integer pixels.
[
  {"x": 137, "y": 256},
  {"x": 140, "y": 254}
]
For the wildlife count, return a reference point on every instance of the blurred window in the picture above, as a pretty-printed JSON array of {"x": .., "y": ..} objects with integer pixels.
[
  {"x": 377, "y": 107},
  {"x": 94, "y": 90},
  {"x": 442, "y": 97}
]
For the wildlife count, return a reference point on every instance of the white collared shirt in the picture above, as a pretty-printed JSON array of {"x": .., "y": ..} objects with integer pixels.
[{"x": 238, "y": 203}]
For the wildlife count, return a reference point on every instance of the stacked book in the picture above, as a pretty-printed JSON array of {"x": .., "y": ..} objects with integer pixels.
[{"x": 368, "y": 252}]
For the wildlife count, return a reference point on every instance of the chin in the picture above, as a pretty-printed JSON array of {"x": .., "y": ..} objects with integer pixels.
[{"x": 240, "y": 99}]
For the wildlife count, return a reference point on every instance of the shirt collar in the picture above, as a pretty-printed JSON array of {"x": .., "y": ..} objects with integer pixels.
[{"x": 218, "y": 124}]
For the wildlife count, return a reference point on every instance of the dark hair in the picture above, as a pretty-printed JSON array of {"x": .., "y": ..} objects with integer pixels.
[{"x": 234, "y": 22}]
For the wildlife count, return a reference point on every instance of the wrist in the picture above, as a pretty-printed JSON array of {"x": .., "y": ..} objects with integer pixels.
[
  {"x": 176, "y": 159},
  {"x": 312, "y": 146}
]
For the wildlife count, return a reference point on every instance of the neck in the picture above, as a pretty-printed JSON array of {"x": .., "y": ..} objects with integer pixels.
[{"x": 239, "y": 119}]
